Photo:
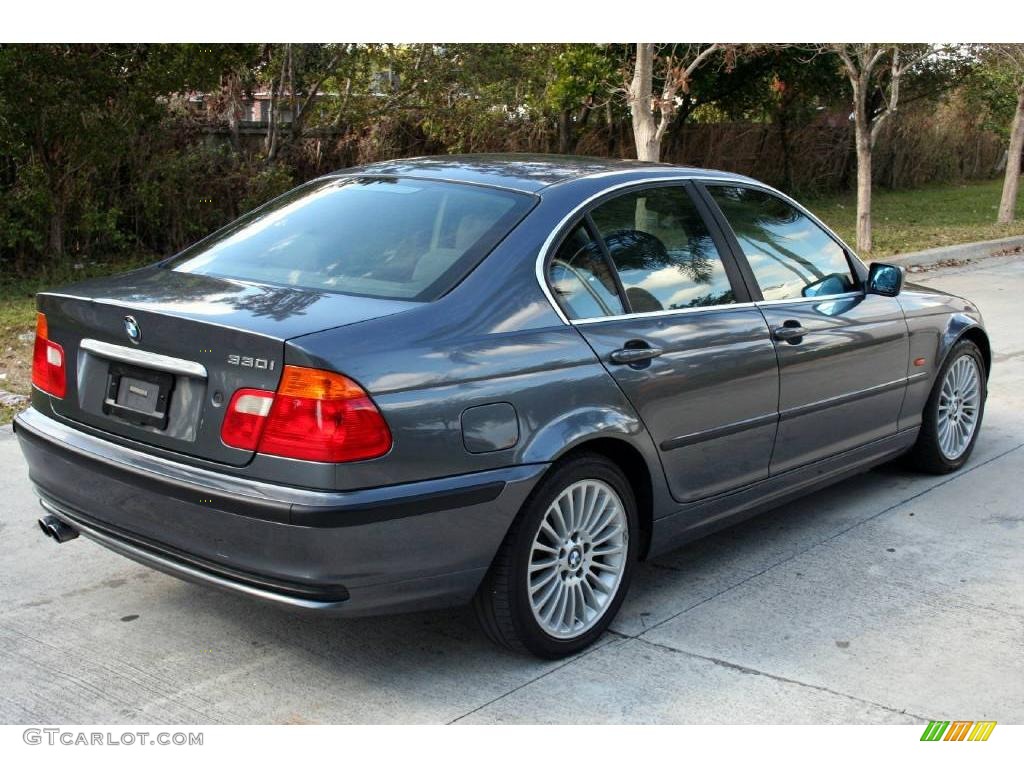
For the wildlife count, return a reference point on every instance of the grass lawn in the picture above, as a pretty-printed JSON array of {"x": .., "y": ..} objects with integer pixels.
[
  {"x": 904, "y": 221},
  {"x": 913, "y": 220},
  {"x": 17, "y": 327}
]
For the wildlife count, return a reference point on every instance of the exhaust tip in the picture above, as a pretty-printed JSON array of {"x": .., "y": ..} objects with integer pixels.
[{"x": 57, "y": 529}]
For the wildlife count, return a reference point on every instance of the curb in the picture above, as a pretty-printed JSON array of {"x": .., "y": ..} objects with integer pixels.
[{"x": 958, "y": 253}]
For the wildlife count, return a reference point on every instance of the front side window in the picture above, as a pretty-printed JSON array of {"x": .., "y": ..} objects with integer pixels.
[
  {"x": 390, "y": 238},
  {"x": 790, "y": 255},
  {"x": 663, "y": 252}
]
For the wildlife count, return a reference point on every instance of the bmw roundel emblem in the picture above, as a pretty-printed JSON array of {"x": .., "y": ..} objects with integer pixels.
[{"x": 131, "y": 327}]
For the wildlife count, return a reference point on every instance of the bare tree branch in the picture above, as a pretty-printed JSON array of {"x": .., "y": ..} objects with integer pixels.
[
  {"x": 652, "y": 116},
  {"x": 894, "y": 96}
]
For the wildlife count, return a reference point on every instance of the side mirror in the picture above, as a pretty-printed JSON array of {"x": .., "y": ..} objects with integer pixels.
[{"x": 885, "y": 279}]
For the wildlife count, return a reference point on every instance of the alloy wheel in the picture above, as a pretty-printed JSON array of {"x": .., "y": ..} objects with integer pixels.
[
  {"x": 577, "y": 558},
  {"x": 959, "y": 403}
]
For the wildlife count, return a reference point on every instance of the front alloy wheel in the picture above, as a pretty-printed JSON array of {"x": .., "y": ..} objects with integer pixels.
[
  {"x": 959, "y": 407},
  {"x": 952, "y": 416}
]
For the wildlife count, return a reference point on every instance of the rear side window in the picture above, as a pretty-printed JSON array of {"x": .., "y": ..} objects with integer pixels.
[
  {"x": 663, "y": 252},
  {"x": 790, "y": 255},
  {"x": 372, "y": 236},
  {"x": 582, "y": 280}
]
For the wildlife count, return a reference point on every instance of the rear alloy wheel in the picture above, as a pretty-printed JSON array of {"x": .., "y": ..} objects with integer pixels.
[
  {"x": 953, "y": 413},
  {"x": 578, "y": 558},
  {"x": 563, "y": 569}
]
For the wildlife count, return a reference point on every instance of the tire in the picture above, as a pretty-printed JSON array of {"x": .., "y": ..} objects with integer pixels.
[
  {"x": 928, "y": 454},
  {"x": 503, "y": 603}
]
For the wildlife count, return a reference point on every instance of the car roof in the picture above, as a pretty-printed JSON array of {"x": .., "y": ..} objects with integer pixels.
[{"x": 525, "y": 172}]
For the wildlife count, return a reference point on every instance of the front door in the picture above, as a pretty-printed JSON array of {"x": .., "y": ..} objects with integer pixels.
[
  {"x": 652, "y": 291},
  {"x": 843, "y": 355}
]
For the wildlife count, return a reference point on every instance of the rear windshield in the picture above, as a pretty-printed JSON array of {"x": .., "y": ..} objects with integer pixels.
[{"x": 389, "y": 238}]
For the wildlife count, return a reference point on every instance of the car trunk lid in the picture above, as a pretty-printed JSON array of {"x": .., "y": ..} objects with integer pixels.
[{"x": 197, "y": 339}]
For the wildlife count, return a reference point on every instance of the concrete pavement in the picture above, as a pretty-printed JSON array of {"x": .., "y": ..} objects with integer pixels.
[{"x": 891, "y": 598}]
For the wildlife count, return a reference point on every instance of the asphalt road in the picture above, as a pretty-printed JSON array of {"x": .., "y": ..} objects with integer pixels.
[{"x": 891, "y": 598}]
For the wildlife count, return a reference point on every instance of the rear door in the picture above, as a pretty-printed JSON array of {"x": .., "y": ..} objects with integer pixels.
[
  {"x": 843, "y": 355},
  {"x": 652, "y": 289}
]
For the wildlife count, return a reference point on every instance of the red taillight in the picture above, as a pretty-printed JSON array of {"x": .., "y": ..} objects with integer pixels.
[
  {"x": 49, "y": 370},
  {"x": 245, "y": 418},
  {"x": 314, "y": 415}
]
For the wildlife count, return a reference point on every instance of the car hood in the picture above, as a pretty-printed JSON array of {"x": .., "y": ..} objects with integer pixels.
[{"x": 917, "y": 299}]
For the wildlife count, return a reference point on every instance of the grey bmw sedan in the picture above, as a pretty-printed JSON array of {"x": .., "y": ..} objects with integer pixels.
[{"x": 497, "y": 379}]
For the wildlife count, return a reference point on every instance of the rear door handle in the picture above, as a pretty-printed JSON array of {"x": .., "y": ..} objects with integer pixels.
[
  {"x": 633, "y": 355},
  {"x": 791, "y": 330}
]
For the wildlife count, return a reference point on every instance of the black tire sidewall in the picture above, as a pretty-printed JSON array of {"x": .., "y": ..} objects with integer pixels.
[{"x": 588, "y": 467}]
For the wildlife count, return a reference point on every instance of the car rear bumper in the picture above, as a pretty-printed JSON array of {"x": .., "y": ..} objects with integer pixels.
[{"x": 395, "y": 548}]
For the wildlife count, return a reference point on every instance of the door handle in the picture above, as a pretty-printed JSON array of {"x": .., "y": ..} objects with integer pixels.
[
  {"x": 633, "y": 355},
  {"x": 790, "y": 331}
]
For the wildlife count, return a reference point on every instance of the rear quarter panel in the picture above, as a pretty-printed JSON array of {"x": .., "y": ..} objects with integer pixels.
[{"x": 494, "y": 339}]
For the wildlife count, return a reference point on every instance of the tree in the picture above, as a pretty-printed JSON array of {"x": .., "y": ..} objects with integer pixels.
[
  {"x": 297, "y": 74},
  {"x": 780, "y": 85},
  {"x": 460, "y": 97},
  {"x": 875, "y": 71},
  {"x": 1008, "y": 61},
  {"x": 580, "y": 81},
  {"x": 64, "y": 107},
  {"x": 652, "y": 114}
]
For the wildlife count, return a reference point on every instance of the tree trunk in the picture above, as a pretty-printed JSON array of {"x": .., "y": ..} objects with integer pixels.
[
  {"x": 787, "y": 155},
  {"x": 55, "y": 244},
  {"x": 270, "y": 142},
  {"x": 645, "y": 132},
  {"x": 1011, "y": 181},
  {"x": 276, "y": 96},
  {"x": 613, "y": 129},
  {"x": 648, "y": 146},
  {"x": 677, "y": 131},
  {"x": 863, "y": 191},
  {"x": 565, "y": 132},
  {"x": 58, "y": 213},
  {"x": 864, "y": 133},
  {"x": 231, "y": 90}
]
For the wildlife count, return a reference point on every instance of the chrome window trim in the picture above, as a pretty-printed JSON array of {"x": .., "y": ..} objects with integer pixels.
[
  {"x": 545, "y": 249},
  {"x": 804, "y": 299},
  {"x": 718, "y": 308},
  {"x": 143, "y": 358},
  {"x": 664, "y": 313}
]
